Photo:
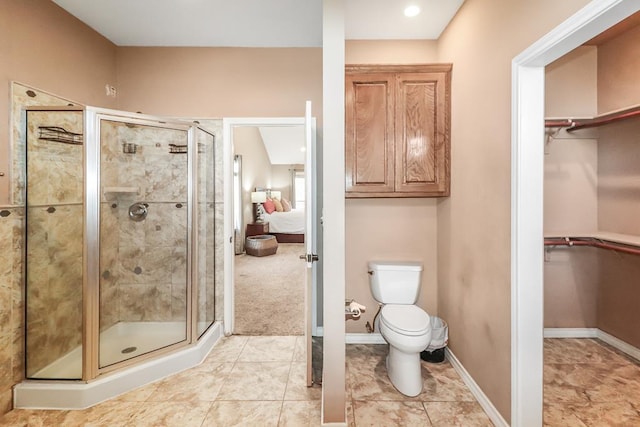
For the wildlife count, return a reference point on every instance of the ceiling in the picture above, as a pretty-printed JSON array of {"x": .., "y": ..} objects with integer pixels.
[
  {"x": 254, "y": 23},
  {"x": 284, "y": 144},
  {"x": 257, "y": 23}
]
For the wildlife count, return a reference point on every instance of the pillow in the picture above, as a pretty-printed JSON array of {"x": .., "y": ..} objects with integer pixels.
[
  {"x": 278, "y": 205},
  {"x": 269, "y": 207},
  {"x": 286, "y": 205}
]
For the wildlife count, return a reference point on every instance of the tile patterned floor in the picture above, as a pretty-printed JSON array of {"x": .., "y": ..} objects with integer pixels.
[
  {"x": 260, "y": 381},
  {"x": 588, "y": 383}
]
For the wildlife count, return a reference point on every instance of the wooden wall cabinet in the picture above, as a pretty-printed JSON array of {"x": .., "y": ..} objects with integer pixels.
[{"x": 397, "y": 136}]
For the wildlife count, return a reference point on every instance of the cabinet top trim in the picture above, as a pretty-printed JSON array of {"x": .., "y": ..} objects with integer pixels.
[{"x": 398, "y": 68}]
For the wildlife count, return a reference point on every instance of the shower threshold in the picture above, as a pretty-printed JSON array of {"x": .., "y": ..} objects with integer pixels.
[{"x": 53, "y": 394}]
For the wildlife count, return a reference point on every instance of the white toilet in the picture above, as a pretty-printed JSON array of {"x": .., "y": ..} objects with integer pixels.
[{"x": 405, "y": 326}]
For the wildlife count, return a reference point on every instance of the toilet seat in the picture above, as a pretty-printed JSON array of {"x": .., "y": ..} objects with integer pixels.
[{"x": 405, "y": 319}]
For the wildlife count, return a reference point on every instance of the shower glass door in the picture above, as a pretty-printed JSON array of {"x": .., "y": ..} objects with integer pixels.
[
  {"x": 204, "y": 183},
  {"x": 54, "y": 234},
  {"x": 144, "y": 223}
]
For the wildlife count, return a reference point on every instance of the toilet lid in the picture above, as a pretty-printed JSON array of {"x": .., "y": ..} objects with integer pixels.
[{"x": 405, "y": 319}]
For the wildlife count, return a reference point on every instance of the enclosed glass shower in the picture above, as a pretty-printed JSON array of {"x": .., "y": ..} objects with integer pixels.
[{"x": 120, "y": 248}]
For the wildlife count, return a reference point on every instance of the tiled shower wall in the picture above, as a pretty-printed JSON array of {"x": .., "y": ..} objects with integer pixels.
[
  {"x": 11, "y": 304},
  {"x": 143, "y": 269}
]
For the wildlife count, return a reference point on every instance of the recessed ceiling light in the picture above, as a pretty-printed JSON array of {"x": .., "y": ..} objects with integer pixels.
[{"x": 411, "y": 11}]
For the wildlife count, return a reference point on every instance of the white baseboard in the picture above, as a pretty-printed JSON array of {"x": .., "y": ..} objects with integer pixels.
[
  {"x": 614, "y": 342},
  {"x": 374, "y": 338},
  {"x": 356, "y": 338},
  {"x": 477, "y": 392},
  {"x": 571, "y": 332}
]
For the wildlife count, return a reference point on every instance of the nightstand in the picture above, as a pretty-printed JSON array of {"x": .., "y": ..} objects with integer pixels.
[{"x": 257, "y": 228}]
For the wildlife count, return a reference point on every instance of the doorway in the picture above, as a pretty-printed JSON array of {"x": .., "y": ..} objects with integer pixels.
[
  {"x": 527, "y": 193},
  {"x": 265, "y": 288}
]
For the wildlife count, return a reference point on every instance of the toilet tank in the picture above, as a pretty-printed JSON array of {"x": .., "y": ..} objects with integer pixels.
[{"x": 395, "y": 282}]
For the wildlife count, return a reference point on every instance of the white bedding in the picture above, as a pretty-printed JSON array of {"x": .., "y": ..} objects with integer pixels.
[{"x": 286, "y": 222}]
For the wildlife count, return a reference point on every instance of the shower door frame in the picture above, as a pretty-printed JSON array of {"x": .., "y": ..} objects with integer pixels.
[{"x": 91, "y": 252}]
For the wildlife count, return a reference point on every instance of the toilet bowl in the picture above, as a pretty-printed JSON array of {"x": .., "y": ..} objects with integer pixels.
[
  {"x": 402, "y": 324},
  {"x": 407, "y": 330}
]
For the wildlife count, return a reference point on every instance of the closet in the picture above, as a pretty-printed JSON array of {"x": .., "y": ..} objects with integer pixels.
[
  {"x": 592, "y": 231},
  {"x": 592, "y": 189}
]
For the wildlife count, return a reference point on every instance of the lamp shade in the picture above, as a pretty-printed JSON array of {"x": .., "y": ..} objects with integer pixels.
[{"x": 258, "y": 197}]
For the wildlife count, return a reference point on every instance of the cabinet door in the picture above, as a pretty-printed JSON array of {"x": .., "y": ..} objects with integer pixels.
[
  {"x": 369, "y": 154},
  {"x": 421, "y": 134}
]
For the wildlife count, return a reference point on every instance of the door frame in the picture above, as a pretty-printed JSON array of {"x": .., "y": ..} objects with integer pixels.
[
  {"x": 527, "y": 174},
  {"x": 228, "y": 125}
]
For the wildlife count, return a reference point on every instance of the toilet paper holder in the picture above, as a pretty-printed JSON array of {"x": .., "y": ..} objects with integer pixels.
[{"x": 353, "y": 309}]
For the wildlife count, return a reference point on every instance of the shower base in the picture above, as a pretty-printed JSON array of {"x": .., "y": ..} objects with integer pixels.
[
  {"x": 54, "y": 394},
  {"x": 121, "y": 341}
]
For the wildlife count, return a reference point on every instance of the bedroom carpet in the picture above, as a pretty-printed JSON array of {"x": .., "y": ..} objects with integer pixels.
[{"x": 269, "y": 294}]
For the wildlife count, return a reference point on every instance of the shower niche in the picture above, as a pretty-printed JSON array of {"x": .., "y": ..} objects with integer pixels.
[{"x": 120, "y": 243}]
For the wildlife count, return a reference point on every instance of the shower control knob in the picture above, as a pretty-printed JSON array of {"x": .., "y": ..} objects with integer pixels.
[{"x": 138, "y": 211}]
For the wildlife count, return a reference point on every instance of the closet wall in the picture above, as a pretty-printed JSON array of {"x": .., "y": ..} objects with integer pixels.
[
  {"x": 570, "y": 192},
  {"x": 592, "y": 183},
  {"x": 619, "y": 186}
]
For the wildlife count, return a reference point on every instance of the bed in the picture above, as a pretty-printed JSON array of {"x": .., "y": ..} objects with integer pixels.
[{"x": 288, "y": 227}]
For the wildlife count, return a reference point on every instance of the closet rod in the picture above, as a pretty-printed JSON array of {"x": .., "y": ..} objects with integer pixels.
[
  {"x": 602, "y": 119},
  {"x": 596, "y": 243}
]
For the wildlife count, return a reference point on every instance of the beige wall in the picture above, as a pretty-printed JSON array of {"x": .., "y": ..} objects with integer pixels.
[
  {"x": 220, "y": 82},
  {"x": 281, "y": 179},
  {"x": 256, "y": 168},
  {"x": 619, "y": 185},
  {"x": 371, "y": 224},
  {"x": 617, "y": 73},
  {"x": 571, "y": 192},
  {"x": 618, "y": 312},
  {"x": 390, "y": 51},
  {"x": 44, "y": 47},
  {"x": 389, "y": 230},
  {"x": 570, "y": 84},
  {"x": 474, "y": 285}
]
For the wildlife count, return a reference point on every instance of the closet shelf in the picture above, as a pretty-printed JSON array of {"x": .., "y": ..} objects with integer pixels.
[
  {"x": 625, "y": 243},
  {"x": 600, "y": 120}
]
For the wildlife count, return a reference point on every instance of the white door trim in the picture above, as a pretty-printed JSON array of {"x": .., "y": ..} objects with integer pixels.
[{"x": 527, "y": 136}]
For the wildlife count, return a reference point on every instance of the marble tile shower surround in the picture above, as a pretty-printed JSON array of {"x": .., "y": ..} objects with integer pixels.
[
  {"x": 11, "y": 303},
  {"x": 23, "y": 96},
  {"x": 143, "y": 266}
]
